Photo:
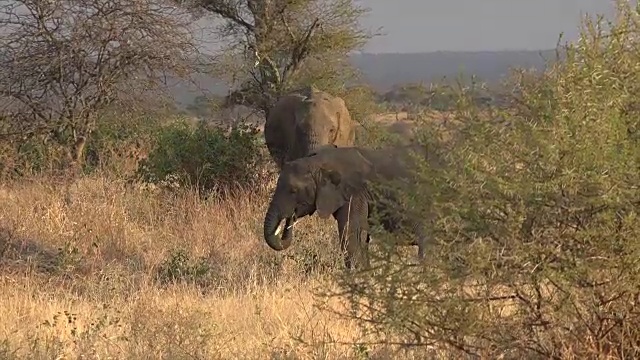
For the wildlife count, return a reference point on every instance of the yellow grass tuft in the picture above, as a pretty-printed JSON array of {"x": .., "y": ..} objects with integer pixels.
[{"x": 86, "y": 272}]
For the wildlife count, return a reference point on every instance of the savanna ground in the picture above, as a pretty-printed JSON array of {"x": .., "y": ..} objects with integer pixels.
[
  {"x": 97, "y": 270},
  {"x": 534, "y": 210},
  {"x": 102, "y": 267}
]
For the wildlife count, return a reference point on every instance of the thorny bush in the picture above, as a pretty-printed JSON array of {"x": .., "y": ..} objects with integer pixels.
[{"x": 537, "y": 251}]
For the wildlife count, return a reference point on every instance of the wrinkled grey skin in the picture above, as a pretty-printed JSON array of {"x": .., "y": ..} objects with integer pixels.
[
  {"x": 304, "y": 120},
  {"x": 338, "y": 182}
]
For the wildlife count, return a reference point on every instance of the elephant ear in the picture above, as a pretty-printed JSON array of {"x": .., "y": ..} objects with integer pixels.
[
  {"x": 329, "y": 197},
  {"x": 335, "y": 189}
]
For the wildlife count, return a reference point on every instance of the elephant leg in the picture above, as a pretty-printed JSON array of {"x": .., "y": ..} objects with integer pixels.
[
  {"x": 364, "y": 238},
  {"x": 353, "y": 232},
  {"x": 421, "y": 239},
  {"x": 421, "y": 243}
]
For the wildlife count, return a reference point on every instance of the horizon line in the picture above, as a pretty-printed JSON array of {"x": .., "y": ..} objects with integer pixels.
[{"x": 446, "y": 51}]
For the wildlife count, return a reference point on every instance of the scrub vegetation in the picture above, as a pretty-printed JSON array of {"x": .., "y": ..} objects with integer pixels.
[{"x": 129, "y": 230}]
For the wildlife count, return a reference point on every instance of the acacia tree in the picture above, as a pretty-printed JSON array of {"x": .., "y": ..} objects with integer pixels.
[
  {"x": 271, "y": 45},
  {"x": 63, "y": 62}
]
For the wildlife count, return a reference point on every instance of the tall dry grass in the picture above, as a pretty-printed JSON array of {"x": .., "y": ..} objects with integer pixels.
[{"x": 102, "y": 269}]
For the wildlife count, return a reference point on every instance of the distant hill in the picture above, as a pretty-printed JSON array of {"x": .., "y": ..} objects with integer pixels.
[{"x": 383, "y": 71}]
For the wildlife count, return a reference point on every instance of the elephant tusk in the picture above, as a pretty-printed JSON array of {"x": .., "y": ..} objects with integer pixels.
[
  {"x": 281, "y": 227},
  {"x": 294, "y": 223}
]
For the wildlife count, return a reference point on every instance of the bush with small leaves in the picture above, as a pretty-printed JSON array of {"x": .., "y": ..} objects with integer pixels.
[
  {"x": 536, "y": 250},
  {"x": 207, "y": 158}
]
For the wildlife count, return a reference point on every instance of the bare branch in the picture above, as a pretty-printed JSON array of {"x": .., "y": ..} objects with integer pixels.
[
  {"x": 300, "y": 50},
  {"x": 62, "y": 62},
  {"x": 269, "y": 42}
]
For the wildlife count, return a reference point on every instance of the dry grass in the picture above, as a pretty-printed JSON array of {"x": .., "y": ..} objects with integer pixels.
[
  {"x": 427, "y": 115},
  {"x": 79, "y": 277}
]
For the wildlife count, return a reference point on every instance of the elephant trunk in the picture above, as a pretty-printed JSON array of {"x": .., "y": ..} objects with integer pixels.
[
  {"x": 315, "y": 143},
  {"x": 272, "y": 219}
]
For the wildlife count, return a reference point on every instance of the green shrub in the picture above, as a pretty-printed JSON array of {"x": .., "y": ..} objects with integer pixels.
[
  {"x": 537, "y": 251},
  {"x": 120, "y": 142},
  {"x": 27, "y": 156},
  {"x": 207, "y": 158},
  {"x": 115, "y": 147}
]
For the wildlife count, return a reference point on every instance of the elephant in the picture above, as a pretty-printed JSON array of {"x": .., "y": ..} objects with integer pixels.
[
  {"x": 340, "y": 181},
  {"x": 402, "y": 132},
  {"x": 300, "y": 122}
]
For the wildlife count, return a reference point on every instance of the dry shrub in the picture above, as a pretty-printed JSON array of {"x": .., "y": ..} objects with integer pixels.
[
  {"x": 536, "y": 251},
  {"x": 64, "y": 63}
]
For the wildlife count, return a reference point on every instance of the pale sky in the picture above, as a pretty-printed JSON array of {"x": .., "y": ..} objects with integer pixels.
[
  {"x": 466, "y": 25},
  {"x": 472, "y": 25}
]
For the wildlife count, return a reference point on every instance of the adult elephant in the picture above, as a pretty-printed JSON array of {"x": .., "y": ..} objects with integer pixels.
[
  {"x": 402, "y": 132},
  {"x": 305, "y": 119},
  {"x": 338, "y": 181}
]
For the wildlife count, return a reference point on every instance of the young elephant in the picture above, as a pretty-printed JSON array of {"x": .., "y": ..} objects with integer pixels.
[
  {"x": 304, "y": 120},
  {"x": 337, "y": 181}
]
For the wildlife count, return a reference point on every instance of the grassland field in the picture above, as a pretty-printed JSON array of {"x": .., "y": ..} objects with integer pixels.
[{"x": 102, "y": 269}]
